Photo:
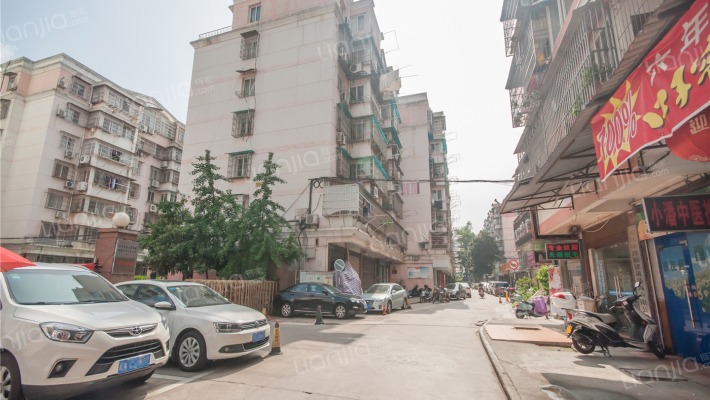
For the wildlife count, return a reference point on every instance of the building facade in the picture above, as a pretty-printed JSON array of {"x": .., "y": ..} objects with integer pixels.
[
  {"x": 500, "y": 227},
  {"x": 77, "y": 148},
  {"x": 570, "y": 60},
  {"x": 309, "y": 82}
]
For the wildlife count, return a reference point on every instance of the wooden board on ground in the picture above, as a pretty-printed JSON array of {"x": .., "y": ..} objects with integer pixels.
[{"x": 540, "y": 336}]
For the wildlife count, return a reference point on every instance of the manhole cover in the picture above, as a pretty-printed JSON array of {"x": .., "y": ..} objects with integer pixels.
[{"x": 653, "y": 375}]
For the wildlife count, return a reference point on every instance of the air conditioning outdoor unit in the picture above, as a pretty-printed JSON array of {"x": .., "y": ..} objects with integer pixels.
[
  {"x": 423, "y": 245},
  {"x": 84, "y": 159},
  {"x": 61, "y": 214},
  {"x": 154, "y": 183},
  {"x": 12, "y": 86},
  {"x": 357, "y": 67},
  {"x": 69, "y": 185},
  {"x": 60, "y": 113},
  {"x": 163, "y": 164},
  {"x": 61, "y": 84},
  {"x": 342, "y": 138},
  {"x": 343, "y": 97},
  {"x": 82, "y": 186},
  {"x": 153, "y": 208},
  {"x": 312, "y": 219},
  {"x": 69, "y": 154},
  {"x": 375, "y": 192}
]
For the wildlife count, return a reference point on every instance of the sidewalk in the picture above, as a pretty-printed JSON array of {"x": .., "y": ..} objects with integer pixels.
[{"x": 555, "y": 371}]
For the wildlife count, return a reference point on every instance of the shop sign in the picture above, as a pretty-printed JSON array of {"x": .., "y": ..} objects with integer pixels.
[
  {"x": 563, "y": 251},
  {"x": 530, "y": 257},
  {"x": 677, "y": 213},
  {"x": 539, "y": 246},
  {"x": 671, "y": 86},
  {"x": 637, "y": 267},
  {"x": 126, "y": 256},
  {"x": 418, "y": 272},
  {"x": 555, "y": 277},
  {"x": 316, "y": 277}
]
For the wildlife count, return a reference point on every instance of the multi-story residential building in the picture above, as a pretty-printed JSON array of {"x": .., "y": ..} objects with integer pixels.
[
  {"x": 500, "y": 226},
  {"x": 77, "y": 148},
  {"x": 308, "y": 81},
  {"x": 570, "y": 60}
]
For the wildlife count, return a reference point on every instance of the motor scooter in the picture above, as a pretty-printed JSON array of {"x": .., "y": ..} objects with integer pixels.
[
  {"x": 588, "y": 329},
  {"x": 525, "y": 308},
  {"x": 425, "y": 295},
  {"x": 481, "y": 292},
  {"x": 415, "y": 292}
]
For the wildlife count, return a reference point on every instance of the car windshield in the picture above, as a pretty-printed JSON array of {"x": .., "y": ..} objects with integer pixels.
[
  {"x": 378, "y": 289},
  {"x": 196, "y": 296},
  {"x": 331, "y": 288},
  {"x": 50, "y": 286},
  {"x": 451, "y": 286}
]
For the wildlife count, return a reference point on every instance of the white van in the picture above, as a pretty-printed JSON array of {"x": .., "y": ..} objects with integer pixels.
[{"x": 67, "y": 330}]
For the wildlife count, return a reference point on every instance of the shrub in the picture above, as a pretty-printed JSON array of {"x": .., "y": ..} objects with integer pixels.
[{"x": 139, "y": 278}]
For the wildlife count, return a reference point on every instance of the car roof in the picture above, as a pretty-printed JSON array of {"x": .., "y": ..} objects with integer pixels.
[
  {"x": 54, "y": 266},
  {"x": 159, "y": 282}
]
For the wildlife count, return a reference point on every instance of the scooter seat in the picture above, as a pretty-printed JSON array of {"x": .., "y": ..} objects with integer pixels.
[{"x": 605, "y": 318}]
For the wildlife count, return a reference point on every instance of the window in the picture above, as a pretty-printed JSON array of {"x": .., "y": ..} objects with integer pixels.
[
  {"x": 151, "y": 197},
  {"x": 129, "y": 290},
  {"x": 56, "y": 200},
  {"x": 78, "y": 88},
  {"x": 149, "y": 295},
  {"x": 239, "y": 166},
  {"x": 248, "y": 87},
  {"x": 84, "y": 175},
  {"x": 302, "y": 288},
  {"x": 242, "y": 123},
  {"x": 249, "y": 45},
  {"x": 168, "y": 197},
  {"x": 137, "y": 167},
  {"x": 4, "y": 109},
  {"x": 12, "y": 80},
  {"x": 437, "y": 195},
  {"x": 359, "y": 129},
  {"x": 68, "y": 141},
  {"x": 358, "y": 56},
  {"x": 181, "y": 134},
  {"x": 73, "y": 114},
  {"x": 176, "y": 177},
  {"x": 110, "y": 181},
  {"x": 435, "y": 148},
  {"x": 149, "y": 120},
  {"x": 358, "y": 24},
  {"x": 63, "y": 170},
  {"x": 357, "y": 93},
  {"x": 254, "y": 14},
  {"x": 134, "y": 191}
]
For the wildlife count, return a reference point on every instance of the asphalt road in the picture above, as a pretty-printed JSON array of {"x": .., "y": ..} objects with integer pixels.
[{"x": 429, "y": 352}]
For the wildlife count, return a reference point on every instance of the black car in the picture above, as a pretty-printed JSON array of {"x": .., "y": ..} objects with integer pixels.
[{"x": 306, "y": 297}]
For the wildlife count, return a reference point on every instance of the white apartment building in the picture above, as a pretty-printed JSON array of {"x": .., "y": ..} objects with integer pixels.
[
  {"x": 77, "y": 148},
  {"x": 501, "y": 227},
  {"x": 308, "y": 81}
]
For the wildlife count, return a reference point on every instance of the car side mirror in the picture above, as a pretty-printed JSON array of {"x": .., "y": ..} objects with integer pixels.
[
  {"x": 163, "y": 305},
  {"x": 326, "y": 292}
]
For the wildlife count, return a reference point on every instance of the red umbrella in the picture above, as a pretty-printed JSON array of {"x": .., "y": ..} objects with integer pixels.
[{"x": 10, "y": 260}]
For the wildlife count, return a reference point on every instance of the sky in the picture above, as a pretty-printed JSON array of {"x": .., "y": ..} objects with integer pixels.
[{"x": 451, "y": 49}]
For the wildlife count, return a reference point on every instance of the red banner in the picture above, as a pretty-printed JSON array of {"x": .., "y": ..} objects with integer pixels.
[{"x": 670, "y": 86}]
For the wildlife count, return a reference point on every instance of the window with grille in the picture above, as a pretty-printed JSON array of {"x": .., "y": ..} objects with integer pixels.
[
  {"x": 358, "y": 23},
  {"x": 358, "y": 56},
  {"x": 63, "y": 170},
  {"x": 168, "y": 197},
  {"x": 57, "y": 200},
  {"x": 241, "y": 124},
  {"x": 78, "y": 88},
  {"x": 149, "y": 120},
  {"x": 68, "y": 141},
  {"x": 357, "y": 93},
  {"x": 84, "y": 175},
  {"x": 72, "y": 114},
  {"x": 254, "y": 14},
  {"x": 435, "y": 148},
  {"x": 4, "y": 109},
  {"x": 181, "y": 134},
  {"x": 248, "y": 87},
  {"x": 437, "y": 195},
  {"x": 239, "y": 166},
  {"x": 359, "y": 129},
  {"x": 134, "y": 191},
  {"x": 176, "y": 177},
  {"x": 151, "y": 197},
  {"x": 137, "y": 167},
  {"x": 249, "y": 49}
]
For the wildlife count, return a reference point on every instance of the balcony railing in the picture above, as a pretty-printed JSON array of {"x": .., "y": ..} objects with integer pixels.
[
  {"x": 369, "y": 129},
  {"x": 353, "y": 200},
  {"x": 342, "y": 166},
  {"x": 215, "y": 32},
  {"x": 369, "y": 168},
  {"x": 108, "y": 152},
  {"x": 248, "y": 47},
  {"x": 344, "y": 121}
]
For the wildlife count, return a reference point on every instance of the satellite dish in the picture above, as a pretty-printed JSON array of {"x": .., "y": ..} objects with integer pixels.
[{"x": 339, "y": 264}]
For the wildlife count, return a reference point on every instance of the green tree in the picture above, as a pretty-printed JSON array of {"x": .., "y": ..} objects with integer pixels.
[
  {"x": 466, "y": 239},
  {"x": 485, "y": 254},
  {"x": 263, "y": 236},
  {"x": 168, "y": 243},
  {"x": 543, "y": 278}
]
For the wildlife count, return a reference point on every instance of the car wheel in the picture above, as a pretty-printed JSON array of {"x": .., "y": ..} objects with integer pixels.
[
  {"x": 389, "y": 307},
  {"x": 10, "y": 380},
  {"x": 404, "y": 304},
  {"x": 286, "y": 310},
  {"x": 142, "y": 379},
  {"x": 340, "y": 311},
  {"x": 192, "y": 352}
]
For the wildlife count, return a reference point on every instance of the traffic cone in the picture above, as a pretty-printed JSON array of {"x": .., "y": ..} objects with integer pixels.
[
  {"x": 409, "y": 303},
  {"x": 276, "y": 346},
  {"x": 384, "y": 309},
  {"x": 499, "y": 299},
  {"x": 507, "y": 299},
  {"x": 263, "y": 309},
  {"x": 319, "y": 317}
]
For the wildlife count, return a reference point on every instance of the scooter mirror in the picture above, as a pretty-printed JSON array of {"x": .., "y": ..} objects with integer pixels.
[{"x": 637, "y": 284}]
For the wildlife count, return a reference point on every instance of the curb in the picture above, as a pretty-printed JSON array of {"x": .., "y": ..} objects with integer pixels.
[{"x": 505, "y": 382}]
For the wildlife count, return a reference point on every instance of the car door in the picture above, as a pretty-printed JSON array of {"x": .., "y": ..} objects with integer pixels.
[
  {"x": 319, "y": 298},
  {"x": 399, "y": 297},
  {"x": 300, "y": 297}
]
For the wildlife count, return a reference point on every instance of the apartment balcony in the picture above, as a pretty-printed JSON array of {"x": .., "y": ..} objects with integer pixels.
[
  {"x": 108, "y": 152},
  {"x": 354, "y": 201},
  {"x": 369, "y": 168},
  {"x": 342, "y": 165},
  {"x": 343, "y": 124},
  {"x": 369, "y": 129},
  {"x": 395, "y": 204},
  {"x": 249, "y": 46}
]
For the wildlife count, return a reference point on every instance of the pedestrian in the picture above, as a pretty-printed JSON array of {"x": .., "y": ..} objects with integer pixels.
[{"x": 152, "y": 274}]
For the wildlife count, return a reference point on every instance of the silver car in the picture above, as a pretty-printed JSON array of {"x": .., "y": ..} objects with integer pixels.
[{"x": 381, "y": 295}]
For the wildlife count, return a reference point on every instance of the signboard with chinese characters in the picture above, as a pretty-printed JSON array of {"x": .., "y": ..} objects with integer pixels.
[
  {"x": 316, "y": 277},
  {"x": 126, "y": 255},
  {"x": 677, "y": 213},
  {"x": 637, "y": 266},
  {"x": 563, "y": 251},
  {"x": 671, "y": 85}
]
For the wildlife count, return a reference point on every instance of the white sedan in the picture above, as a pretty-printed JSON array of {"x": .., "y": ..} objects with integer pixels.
[
  {"x": 381, "y": 295},
  {"x": 203, "y": 325}
]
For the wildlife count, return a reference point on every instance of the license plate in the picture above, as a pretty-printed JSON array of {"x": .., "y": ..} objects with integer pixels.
[
  {"x": 258, "y": 336},
  {"x": 369, "y": 307},
  {"x": 133, "y": 363},
  {"x": 569, "y": 329}
]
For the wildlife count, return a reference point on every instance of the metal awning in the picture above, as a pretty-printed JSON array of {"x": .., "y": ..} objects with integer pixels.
[
  {"x": 241, "y": 152},
  {"x": 248, "y": 110}
]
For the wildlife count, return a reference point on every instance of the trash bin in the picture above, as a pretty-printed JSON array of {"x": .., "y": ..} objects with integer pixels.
[{"x": 585, "y": 303}]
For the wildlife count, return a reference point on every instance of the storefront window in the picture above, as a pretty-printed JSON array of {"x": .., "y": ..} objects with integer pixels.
[{"x": 614, "y": 276}]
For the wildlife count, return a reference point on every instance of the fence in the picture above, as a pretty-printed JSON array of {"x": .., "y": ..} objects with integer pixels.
[{"x": 250, "y": 294}]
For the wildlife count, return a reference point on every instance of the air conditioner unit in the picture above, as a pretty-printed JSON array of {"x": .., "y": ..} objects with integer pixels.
[
  {"x": 82, "y": 186},
  {"x": 312, "y": 219},
  {"x": 69, "y": 154},
  {"x": 355, "y": 68},
  {"x": 153, "y": 208},
  {"x": 343, "y": 97},
  {"x": 342, "y": 138},
  {"x": 375, "y": 192},
  {"x": 154, "y": 183},
  {"x": 61, "y": 84},
  {"x": 69, "y": 185},
  {"x": 311, "y": 252},
  {"x": 61, "y": 214},
  {"x": 60, "y": 113},
  {"x": 12, "y": 86},
  {"x": 84, "y": 159},
  {"x": 423, "y": 245},
  {"x": 163, "y": 164}
]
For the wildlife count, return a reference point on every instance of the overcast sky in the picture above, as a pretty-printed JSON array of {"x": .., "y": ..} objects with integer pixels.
[{"x": 452, "y": 49}]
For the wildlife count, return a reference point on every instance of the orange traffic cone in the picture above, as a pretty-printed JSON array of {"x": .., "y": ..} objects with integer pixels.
[{"x": 384, "y": 309}]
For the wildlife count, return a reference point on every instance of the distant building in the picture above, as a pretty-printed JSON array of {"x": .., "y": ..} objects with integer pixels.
[{"x": 500, "y": 226}]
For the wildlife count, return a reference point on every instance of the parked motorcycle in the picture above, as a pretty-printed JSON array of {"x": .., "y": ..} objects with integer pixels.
[
  {"x": 415, "y": 292},
  {"x": 588, "y": 329},
  {"x": 525, "y": 308},
  {"x": 425, "y": 294},
  {"x": 447, "y": 295}
]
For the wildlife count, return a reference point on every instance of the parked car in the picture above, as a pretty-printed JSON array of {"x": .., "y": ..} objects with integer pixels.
[
  {"x": 306, "y": 297},
  {"x": 467, "y": 288},
  {"x": 67, "y": 331},
  {"x": 456, "y": 290},
  {"x": 203, "y": 325},
  {"x": 381, "y": 295},
  {"x": 499, "y": 288}
]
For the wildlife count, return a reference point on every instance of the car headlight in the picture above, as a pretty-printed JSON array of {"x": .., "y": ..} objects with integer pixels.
[
  {"x": 379, "y": 300},
  {"x": 61, "y": 332},
  {"x": 227, "y": 327},
  {"x": 354, "y": 300},
  {"x": 164, "y": 321}
]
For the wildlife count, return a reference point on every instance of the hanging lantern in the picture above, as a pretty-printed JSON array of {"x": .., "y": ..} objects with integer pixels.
[{"x": 692, "y": 140}]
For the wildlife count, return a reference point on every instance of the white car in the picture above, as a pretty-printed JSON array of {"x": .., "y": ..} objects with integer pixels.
[
  {"x": 67, "y": 331},
  {"x": 467, "y": 287},
  {"x": 382, "y": 295},
  {"x": 203, "y": 325}
]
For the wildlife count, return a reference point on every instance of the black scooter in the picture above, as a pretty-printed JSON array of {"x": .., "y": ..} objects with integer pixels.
[
  {"x": 480, "y": 292},
  {"x": 588, "y": 329}
]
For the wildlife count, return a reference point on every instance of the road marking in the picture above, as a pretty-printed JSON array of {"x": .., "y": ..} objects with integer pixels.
[
  {"x": 175, "y": 378},
  {"x": 177, "y": 385}
]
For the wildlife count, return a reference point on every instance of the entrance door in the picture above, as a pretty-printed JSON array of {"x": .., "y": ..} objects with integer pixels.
[{"x": 683, "y": 259}]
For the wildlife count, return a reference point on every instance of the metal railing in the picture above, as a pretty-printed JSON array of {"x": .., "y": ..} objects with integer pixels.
[
  {"x": 248, "y": 48},
  {"x": 216, "y": 32},
  {"x": 369, "y": 168},
  {"x": 108, "y": 152},
  {"x": 342, "y": 166}
]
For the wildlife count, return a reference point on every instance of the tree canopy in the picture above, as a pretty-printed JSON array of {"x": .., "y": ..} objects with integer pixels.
[{"x": 477, "y": 253}]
